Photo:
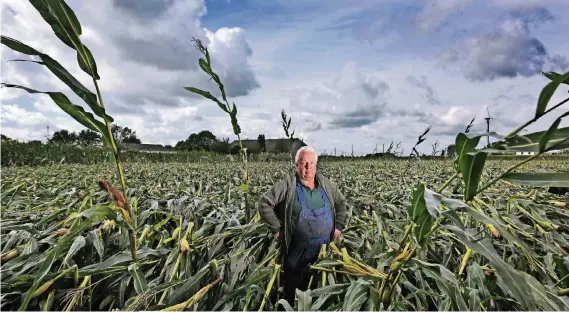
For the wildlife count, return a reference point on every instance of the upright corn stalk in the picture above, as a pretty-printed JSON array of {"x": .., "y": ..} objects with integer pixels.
[
  {"x": 205, "y": 65},
  {"x": 286, "y": 128},
  {"x": 429, "y": 208},
  {"x": 62, "y": 20}
]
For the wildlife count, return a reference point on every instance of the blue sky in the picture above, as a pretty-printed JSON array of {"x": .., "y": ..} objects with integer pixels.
[{"x": 348, "y": 72}]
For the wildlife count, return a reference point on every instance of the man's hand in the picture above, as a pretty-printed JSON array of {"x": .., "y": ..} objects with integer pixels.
[
  {"x": 276, "y": 236},
  {"x": 337, "y": 234}
]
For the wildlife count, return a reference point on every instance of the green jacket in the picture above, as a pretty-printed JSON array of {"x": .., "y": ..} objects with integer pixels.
[{"x": 275, "y": 206}]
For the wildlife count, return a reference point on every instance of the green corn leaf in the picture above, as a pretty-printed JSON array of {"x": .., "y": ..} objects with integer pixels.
[
  {"x": 98, "y": 244},
  {"x": 235, "y": 124},
  {"x": 125, "y": 281},
  {"x": 546, "y": 299},
  {"x": 464, "y": 144},
  {"x": 482, "y": 218},
  {"x": 77, "y": 112},
  {"x": 98, "y": 214},
  {"x": 66, "y": 27},
  {"x": 538, "y": 179},
  {"x": 356, "y": 295},
  {"x": 208, "y": 96},
  {"x": 31, "y": 247},
  {"x": 530, "y": 142},
  {"x": 512, "y": 279},
  {"x": 419, "y": 213},
  {"x": 140, "y": 284},
  {"x": 62, "y": 247},
  {"x": 471, "y": 167},
  {"x": 474, "y": 300},
  {"x": 188, "y": 288},
  {"x": 446, "y": 282},
  {"x": 78, "y": 243},
  {"x": 336, "y": 289},
  {"x": 554, "y": 76},
  {"x": 547, "y": 92},
  {"x": 304, "y": 302},
  {"x": 544, "y": 139},
  {"x": 28, "y": 227},
  {"x": 58, "y": 70},
  {"x": 477, "y": 280},
  {"x": 204, "y": 66}
]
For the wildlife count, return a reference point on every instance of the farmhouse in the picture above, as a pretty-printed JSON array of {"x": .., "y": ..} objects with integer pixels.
[
  {"x": 147, "y": 148},
  {"x": 271, "y": 145}
]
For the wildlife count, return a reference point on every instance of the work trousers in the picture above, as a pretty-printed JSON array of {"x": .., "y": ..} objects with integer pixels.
[{"x": 297, "y": 279}]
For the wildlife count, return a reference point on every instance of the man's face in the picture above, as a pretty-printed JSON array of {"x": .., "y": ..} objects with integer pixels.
[{"x": 306, "y": 166}]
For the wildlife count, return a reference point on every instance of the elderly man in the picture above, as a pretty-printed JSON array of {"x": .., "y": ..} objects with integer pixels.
[{"x": 304, "y": 210}]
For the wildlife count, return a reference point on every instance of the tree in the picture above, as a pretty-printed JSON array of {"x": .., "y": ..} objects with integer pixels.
[
  {"x": 262, "y": 143},
  {"x": 450, "y": 150},
  {"x": 124, "y": 134},
  {"x": 63, "y": 137},
  {"x": 201, "y": 141},
  {"x": 5, "y": 138},
  {"x": 222, "y": 147},
  {"x": 89, "y": 137}
]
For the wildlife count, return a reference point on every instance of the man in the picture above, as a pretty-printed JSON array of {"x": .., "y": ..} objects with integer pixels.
[{"x": 304, "y": 210}]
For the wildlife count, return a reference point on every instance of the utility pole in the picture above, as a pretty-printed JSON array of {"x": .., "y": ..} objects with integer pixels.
[
  {"x": 334, "y": 151},
  {"x": 488, "y": 126},
  {"x": 352, "y": 150},
  {"x": 383, "y": 148}
]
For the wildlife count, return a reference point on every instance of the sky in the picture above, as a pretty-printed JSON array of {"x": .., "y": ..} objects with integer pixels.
[{"x": 351, "y": 74}]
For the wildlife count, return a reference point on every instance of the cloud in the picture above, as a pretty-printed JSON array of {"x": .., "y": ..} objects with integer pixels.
[
  {"x": 508, "y": 51},
  {"x": 143, "y": 50},
  {"x": 351, "y": 100},
  {"x": 430, "y": 95},
  {"x": 436, "y": 12}
]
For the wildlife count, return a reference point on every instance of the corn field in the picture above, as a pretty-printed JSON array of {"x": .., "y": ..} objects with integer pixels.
[
  {"x": 471, "y": 232},
  {"x": 196, "y": 251}
]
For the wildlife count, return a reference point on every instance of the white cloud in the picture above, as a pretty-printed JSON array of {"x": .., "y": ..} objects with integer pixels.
[
  {"x": 509, "y": 51},
  {"x": 23, "y": 117}
]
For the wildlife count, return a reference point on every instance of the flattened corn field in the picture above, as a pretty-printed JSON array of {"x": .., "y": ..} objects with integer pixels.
[{"x": 196, "y": 251}]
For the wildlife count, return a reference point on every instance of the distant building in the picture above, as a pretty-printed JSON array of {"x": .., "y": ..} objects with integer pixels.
[
  {"x": 147, "y": 148},
  {"x": 271, "y": 145},
  {"x": 525, "y": 153}
]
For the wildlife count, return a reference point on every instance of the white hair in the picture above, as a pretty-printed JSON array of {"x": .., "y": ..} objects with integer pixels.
[{"x": 305, "y": 149}]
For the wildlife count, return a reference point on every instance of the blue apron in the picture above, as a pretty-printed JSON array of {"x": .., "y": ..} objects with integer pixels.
[{"x": 314, "y": 228}]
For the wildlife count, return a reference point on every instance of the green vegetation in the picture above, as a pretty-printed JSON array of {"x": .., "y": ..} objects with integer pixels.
[
  {"x": 191, "y": 231},
  {"x": 459, "y": 233}
]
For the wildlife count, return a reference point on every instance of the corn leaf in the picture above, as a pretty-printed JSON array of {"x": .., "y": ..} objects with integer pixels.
[
  {"x": 419, "y": 213},
  {"x": 207, "y": 95},
  {"x": 512, "y": 279},
  {"x": 547, "y": 92},
  {"x": 66, "y": 27},
  {"x": 356, "y": 295},
  {"x": 140, "y": 283},
  {"x": 58, "y": 70},
  {"x": 471, "y": 167},
  {"x": 446, "y": 282},
  {"x": 544, "y": 139},
  {"x": 538, "y": 179},
  {"x": 77, "y": 112}
]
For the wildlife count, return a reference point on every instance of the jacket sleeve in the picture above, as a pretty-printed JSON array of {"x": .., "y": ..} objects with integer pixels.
[
  {"x": 267, "y": 205},
  {"x": 340, "y": 207}
]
